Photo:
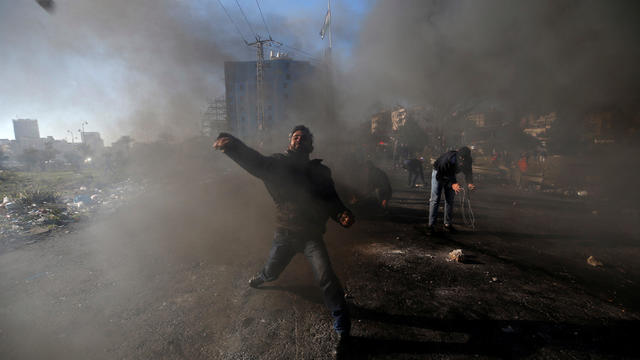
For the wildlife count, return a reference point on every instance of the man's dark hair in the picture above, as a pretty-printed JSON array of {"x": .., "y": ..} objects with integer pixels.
[
  {"x": 465, "y": 154},
  {"x": 302, "y": 128}
]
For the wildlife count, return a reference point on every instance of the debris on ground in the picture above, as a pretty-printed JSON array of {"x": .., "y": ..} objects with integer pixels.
[
  {"x": 456, "y": 255},
  {"x": 594, "y": 262},
  {"x": 40, "y": 212}
]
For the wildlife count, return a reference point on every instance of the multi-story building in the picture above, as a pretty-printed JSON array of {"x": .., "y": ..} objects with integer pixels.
[
  {"x": 214, "y": 120},
  {"x": 283, "y": 77},
  {"x": 26, "y": 129},
  {"x": 93, "y": 140}
]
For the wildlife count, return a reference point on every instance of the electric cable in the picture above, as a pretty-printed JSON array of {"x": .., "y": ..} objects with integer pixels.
[
  {"x": 300, "y": 51},
  {"x": 233, "y": 22},
  {"x": 263, "y": 21},
  {"x": 247, "y": 20}
]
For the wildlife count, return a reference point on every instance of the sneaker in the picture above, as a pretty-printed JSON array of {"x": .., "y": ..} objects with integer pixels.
[
  {"x": 342, "y": 322},
  {"x": 256, "y": 281},
  {"x": 449, "y": 228}
]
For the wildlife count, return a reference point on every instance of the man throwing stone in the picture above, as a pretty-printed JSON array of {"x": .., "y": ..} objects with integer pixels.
[{"x": 306, "y": 198}]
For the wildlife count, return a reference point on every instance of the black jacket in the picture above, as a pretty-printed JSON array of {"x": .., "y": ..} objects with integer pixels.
[
  {"x": 448, "y": 165},
  {"x": 302, "y": 189}
]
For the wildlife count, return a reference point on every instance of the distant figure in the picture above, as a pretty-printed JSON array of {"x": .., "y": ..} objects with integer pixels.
[
  {"x": 378, "y": 185},
  {"x": 401, "y": 153},
  {"x": 522, "y": 168},
  {"x": 414, "y": 167},
  {"x": 305, "y": 198},
  {"x": 494, "y": 158},
  {"x": 443, "y": 178}
]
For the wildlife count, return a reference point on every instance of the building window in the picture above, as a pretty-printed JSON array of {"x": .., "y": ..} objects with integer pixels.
[
  {"x": 284, "y": 86},
  {"x": 286, "y": 96},
  {"x": 288, "y": 76}
]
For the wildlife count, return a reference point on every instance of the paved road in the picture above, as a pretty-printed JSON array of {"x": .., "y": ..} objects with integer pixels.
[{"x": 166, "y": 278}]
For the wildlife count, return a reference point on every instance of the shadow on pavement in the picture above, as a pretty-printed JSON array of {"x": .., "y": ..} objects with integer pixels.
[{"x": 501, "y": 338}]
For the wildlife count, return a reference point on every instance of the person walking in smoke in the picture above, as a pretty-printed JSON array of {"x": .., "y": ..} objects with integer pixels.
[
  {"x": 305, "y": 197},
  {"x": 414, "y": 167},
  {"x": 443, "y": 178},
  {"x": 378, "y": 185}
]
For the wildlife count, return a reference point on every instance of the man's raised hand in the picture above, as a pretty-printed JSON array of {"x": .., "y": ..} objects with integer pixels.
[{"x": 221, "y": 142}]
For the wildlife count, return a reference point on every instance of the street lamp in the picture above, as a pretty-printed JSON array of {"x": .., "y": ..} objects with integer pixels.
[
  {"x": 72, "y": 137},
  {"x": 81, "y": 130}
]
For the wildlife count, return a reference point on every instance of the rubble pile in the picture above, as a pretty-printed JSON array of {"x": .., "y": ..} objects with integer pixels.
[{"x": 18, "y": 220}]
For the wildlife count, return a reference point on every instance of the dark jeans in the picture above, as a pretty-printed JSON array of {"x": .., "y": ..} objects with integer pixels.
[
  {"x": 437, "y": 188},
  {"x": 285, "y": 245}
]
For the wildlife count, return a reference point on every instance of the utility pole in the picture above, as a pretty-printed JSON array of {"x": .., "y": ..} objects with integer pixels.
[{"x": 259, "y": 44}]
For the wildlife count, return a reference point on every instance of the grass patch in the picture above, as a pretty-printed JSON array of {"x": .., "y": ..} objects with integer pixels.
[{"x": 39, "y": 184}]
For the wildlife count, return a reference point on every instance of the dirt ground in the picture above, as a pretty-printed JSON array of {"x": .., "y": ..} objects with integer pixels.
[{"x": 167, "y": 279}]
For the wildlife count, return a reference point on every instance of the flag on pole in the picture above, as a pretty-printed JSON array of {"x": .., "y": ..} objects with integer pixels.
[{"x": 325, "y": 25}]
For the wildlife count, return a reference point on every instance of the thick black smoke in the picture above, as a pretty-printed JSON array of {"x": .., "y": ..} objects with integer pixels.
[{"x": 534, "y": 56}]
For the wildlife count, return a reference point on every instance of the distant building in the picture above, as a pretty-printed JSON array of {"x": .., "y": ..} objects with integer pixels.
[
  {"x": 282, "y": 78},
  {"x": 539, "y": 126},
  {"x": 599, "y": 127},
  {"x": 214, "y": 120},
  {"x": 26, "y": 129},
  {"x": 93, "y": 140}
]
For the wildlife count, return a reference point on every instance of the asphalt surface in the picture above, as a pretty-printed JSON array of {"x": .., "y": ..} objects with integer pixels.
[{"x": 167, "y": 277}]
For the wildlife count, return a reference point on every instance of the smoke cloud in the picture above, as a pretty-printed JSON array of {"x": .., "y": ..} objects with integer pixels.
[
  {"x": 156, "y": 62},
  {"x": 532, "y": 56}
]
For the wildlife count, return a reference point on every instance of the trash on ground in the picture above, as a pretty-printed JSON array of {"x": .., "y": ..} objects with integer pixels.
[
  {"x": 594, "y": 262},
  {"x": 456, "y": 255}
]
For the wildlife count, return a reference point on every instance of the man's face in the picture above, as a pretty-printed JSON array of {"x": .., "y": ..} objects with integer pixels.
[{"x": 300, "y": 142}]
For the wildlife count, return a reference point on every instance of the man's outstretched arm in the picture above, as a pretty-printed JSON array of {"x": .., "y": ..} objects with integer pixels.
[{"x": 249, "y": 159}]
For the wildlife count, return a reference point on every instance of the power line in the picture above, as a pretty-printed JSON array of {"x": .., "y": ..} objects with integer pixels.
[
  {"x": 306, "y": 57},
  {"x": 233, "y": 22},
  {"x": 298, "y": 50},
  {"x": 247, "y": 20},
  {"x": 302, "y": 53},
  {"x": 262, "y": 16}
]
